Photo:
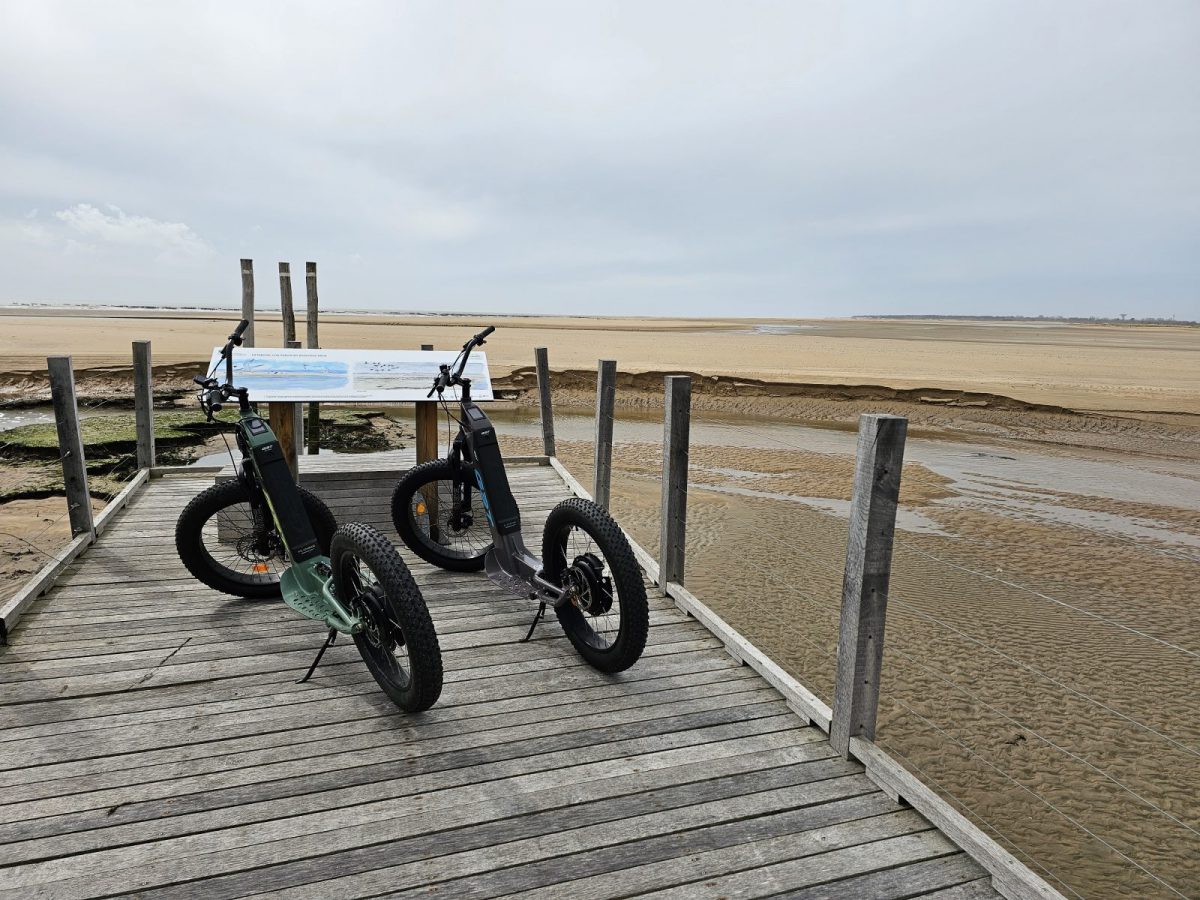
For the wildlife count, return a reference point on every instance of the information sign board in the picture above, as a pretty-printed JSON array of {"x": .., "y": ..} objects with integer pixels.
[{"x": 380, "y": 376}]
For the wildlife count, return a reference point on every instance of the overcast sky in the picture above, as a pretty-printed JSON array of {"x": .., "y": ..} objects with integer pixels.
[{"x": 677, "y": 158}]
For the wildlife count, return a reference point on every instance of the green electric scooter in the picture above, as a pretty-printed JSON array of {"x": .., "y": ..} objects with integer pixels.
[{"x": 260, "y": 535}]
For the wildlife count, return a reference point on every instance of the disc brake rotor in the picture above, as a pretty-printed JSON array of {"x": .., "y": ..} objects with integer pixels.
[{"x": 259, "y": 547}]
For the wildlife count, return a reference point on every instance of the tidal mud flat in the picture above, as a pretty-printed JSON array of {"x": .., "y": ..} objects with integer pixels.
[{"x": 1042, "y": 638}]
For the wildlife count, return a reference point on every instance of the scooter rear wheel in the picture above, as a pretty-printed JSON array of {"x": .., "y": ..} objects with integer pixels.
[
  {"x": 232, "y": 545},
  {"x": 608, "y": 617}
]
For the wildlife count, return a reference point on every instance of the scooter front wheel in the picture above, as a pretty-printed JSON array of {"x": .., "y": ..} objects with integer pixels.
[
  {"x": 440, "y": 516},
  {"x": 585, "y": 552},
  {"x": 398, "y": 642}
]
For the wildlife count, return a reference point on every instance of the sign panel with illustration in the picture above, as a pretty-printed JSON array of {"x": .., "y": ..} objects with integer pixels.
[{"x": 380, "y": 376}]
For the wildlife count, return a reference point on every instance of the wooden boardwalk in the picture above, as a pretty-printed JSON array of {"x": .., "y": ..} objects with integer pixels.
[{"x": 153, "y": 739}]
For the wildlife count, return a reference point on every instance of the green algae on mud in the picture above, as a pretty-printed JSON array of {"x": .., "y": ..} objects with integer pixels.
[{"x": 29, "y": 454}]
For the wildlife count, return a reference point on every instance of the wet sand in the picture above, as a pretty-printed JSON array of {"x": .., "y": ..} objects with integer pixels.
[{"x": 1043, "y": 648}]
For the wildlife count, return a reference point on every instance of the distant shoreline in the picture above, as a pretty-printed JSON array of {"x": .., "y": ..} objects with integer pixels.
[{"x": 82, "y": 310}]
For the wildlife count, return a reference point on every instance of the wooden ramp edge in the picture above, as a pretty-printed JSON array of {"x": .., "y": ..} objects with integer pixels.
[{"x": 154, "y": 740}]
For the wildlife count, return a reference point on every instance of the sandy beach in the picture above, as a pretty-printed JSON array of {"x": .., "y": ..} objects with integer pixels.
[{"x": 1082, "y": 367}]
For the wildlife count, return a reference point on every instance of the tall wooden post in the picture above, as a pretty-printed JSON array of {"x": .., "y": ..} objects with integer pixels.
[
  {"x": 865, "y": 586},
  {"x": 427, "y": 426},
  {"x": 677, "y": 412},
  {"x": 542, "y": 360},
  {"x": 248, "y": 301},
  {"x": 143, "y": 403},
  {"x": 288, "y": 424},
  {"x": 427, "y": 449},
  {"x": 606, "y": 397},
  {"x": 70, "y": 445},
  {"x": 314, "y": 409},
  {"x": 285, "y": 304}
]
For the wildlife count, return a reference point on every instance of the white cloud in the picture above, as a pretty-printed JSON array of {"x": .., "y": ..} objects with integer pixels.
[{"x": 170, "y": 241}]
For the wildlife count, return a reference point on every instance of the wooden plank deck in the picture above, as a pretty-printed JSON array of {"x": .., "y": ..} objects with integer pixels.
[{"x": 153, "y": 740}]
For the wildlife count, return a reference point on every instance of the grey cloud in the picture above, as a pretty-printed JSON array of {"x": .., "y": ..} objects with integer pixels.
[{"x": 758, "y": 158}]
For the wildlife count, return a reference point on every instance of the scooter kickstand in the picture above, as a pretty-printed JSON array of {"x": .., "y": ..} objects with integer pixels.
[
  {"x": 325, "y": 646},
  {"x": 537, "y": 618}
]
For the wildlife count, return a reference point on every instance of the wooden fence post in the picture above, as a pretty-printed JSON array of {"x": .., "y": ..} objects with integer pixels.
[
  {"x": 287, "y": 421},
  {"x": 427, "y": 449},
  {"x": 427, "y": 426},
  {"x": 314, "y": 409},
  {"x": 677, "y": 410},
  {"x": 143, "y": 403},
  {"x": 248, "y": 301},
  {"x": 70, "y": 445},
  {"x": 606, "y": 397},
  {"x": 865, "y": 586},
  {"x": 285, "y": 304},
  {"x": 542, "y": 359}
]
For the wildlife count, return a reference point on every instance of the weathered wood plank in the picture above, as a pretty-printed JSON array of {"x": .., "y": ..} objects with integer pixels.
[
  {"x": 800, "y": 873},
  {"x": 175, "y": 742},
  {"x": 252, "y": 693},
  {"x": 662, "y": 779},
  {"x": 496, "y": 858},
  {"x": 1016, "y": 881},
  {"x": 656, "y": 861},
  {"x": 929, "y": 877},
  {"x": 538, "y": 768}
]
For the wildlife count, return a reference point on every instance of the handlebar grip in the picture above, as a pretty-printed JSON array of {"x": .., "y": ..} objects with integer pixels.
[
  {"x": 200, "y": 380},
  {"x": 479, "y": 337},
  {"x": 235, "y": 339}
]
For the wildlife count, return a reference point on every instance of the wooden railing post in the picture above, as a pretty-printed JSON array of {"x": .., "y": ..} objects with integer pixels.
[
  {"x": 143, "y": 403},
  {"x": 542, "y": 359},
  {"x": 287, "y": 313},
  {"x": 427, "y": 426},
  {"x": 606, "y": 396},
  {"x": 287, "y": 421},
  {"x": 865, "y": 586},
  {"x": 677, "y": 411},
  {"x": 427, "y": 449},
  {"x": 70, "y": 445},
  {"x": 314, "y": 409},
  {"x": 248, "y": 301}
]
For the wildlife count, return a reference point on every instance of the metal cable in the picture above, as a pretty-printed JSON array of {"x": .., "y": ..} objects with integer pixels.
[
  {"x": 976, "y": 698},
  {"x": 1043, "y": 800}
]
